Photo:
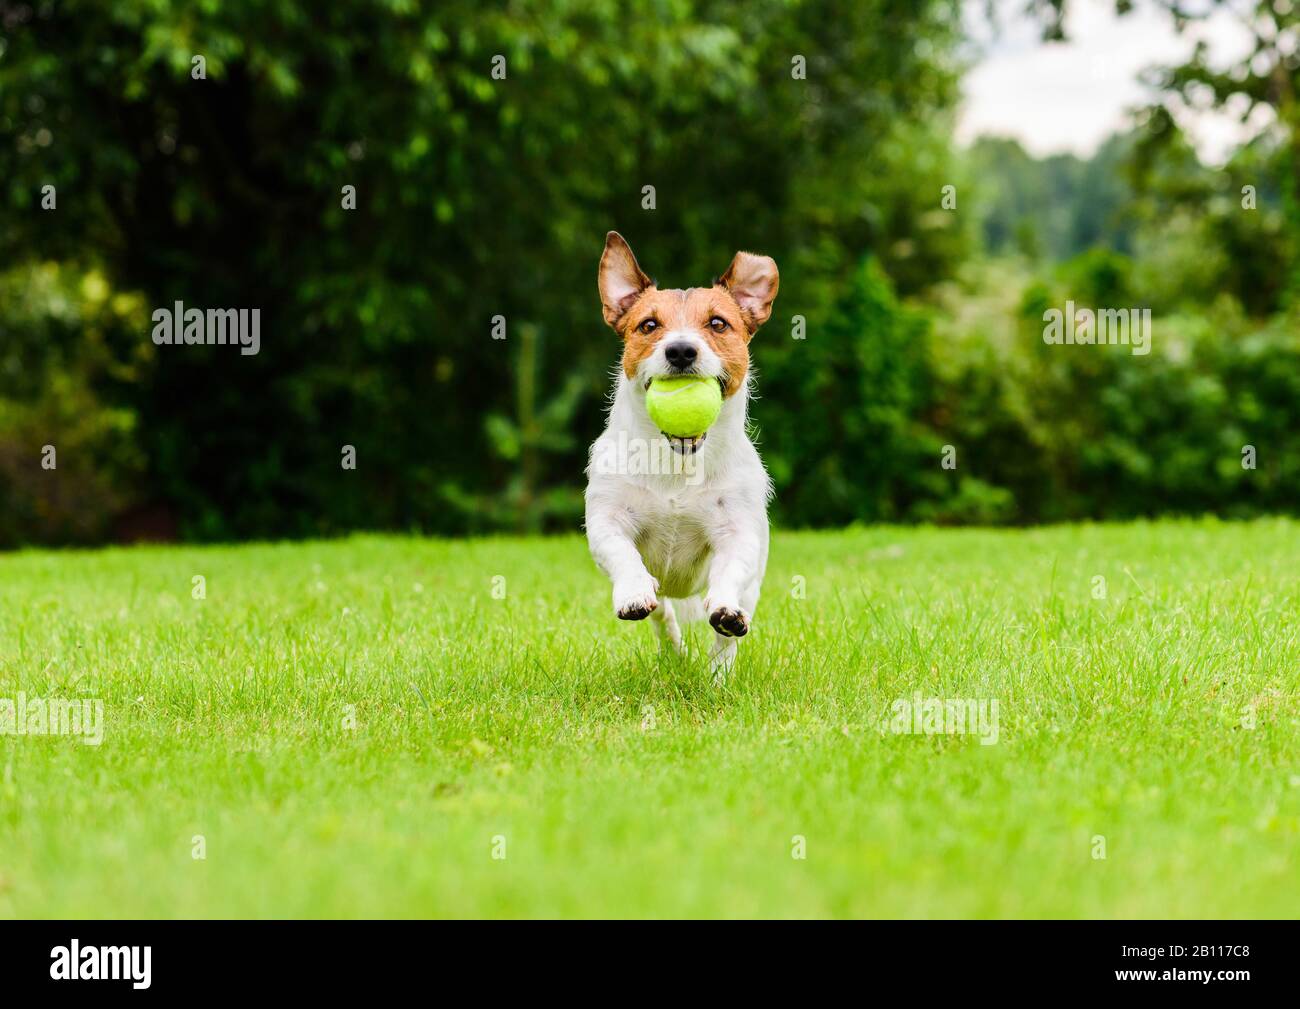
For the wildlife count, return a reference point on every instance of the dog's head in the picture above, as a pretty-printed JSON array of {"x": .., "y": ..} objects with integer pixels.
[{"x": 698, "y": 331}]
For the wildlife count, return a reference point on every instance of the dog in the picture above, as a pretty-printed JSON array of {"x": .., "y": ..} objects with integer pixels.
[{"x": 679, "y": 525}]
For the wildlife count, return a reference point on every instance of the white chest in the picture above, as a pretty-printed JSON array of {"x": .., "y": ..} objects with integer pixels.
[{"x": 673, "y": 537}]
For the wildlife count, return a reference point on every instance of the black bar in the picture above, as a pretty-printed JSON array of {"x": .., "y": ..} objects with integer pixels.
[{"x": 339, "y": 958}]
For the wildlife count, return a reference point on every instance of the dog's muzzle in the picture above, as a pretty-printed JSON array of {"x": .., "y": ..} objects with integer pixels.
[{"x": 686, "y": 446}]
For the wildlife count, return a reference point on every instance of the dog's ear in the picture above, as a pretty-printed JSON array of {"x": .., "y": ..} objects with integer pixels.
[
  {"x": 620, "y": 279},
  {"x": 752, "y": 280}
]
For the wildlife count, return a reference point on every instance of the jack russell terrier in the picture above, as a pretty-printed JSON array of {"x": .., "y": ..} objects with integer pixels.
[{"x": 680, "y": 524}]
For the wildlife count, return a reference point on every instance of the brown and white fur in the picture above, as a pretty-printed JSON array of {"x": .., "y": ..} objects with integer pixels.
[{"x": 680, "y": 525}]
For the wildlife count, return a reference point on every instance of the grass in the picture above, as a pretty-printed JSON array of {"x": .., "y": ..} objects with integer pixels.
[{"x": 349, "y": 725}]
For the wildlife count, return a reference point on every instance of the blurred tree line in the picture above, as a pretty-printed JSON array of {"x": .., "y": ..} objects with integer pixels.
[
  {"x": 448, "y": 327},
  {"x": 1208, "y": 422}
]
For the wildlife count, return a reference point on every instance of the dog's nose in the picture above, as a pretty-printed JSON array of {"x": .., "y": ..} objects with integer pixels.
[{"x": 680, "y": 355}]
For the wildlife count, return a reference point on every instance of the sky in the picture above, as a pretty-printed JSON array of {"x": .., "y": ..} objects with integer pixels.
[{"x": 1057, "y": 97}]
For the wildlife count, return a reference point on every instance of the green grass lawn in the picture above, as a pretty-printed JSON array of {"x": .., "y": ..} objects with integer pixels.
[{"x": 356, "y": 728}]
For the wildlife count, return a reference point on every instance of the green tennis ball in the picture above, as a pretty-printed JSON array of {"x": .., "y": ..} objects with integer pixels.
[{"x": 684, "y": 407}]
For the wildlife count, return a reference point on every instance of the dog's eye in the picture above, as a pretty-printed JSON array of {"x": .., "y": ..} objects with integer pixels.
[
  {"x": 718, "y": 324},
  {"x": 649, "y": 326}
]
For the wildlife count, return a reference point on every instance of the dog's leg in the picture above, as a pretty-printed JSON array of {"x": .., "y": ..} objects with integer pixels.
[
  {"x": 664, "y": 621},
  {"x": 736, "y": 566},
  {"x": 610, "y": 537},
  {"x": 722, "y": 656}
]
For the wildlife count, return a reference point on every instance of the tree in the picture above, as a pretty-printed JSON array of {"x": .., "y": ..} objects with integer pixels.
[
  {"x": 488, "y": 148},
  {"x": 1265, "y": 77}
]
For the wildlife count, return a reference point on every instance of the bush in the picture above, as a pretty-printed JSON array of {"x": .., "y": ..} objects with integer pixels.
[
  {"x": 840, "y": 418},
  {"x": 69, "y": 457},
  {"x": 1093, "y": 432}
]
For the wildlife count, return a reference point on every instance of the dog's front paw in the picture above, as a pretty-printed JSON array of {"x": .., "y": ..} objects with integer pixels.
[
  {"x": 635, "y": 600},
  {"x": 732, "y": 623}
]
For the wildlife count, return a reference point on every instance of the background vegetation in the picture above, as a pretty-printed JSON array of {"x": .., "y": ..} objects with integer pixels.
[{"x": 479, "y": 197}]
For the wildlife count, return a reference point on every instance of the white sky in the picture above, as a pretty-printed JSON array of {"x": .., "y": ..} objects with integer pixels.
[{"x": 1056, "y": 97}]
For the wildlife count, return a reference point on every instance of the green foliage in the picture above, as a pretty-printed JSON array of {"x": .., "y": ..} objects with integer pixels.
[
  {"x": 476, "y": 197},
  {"x": 1263, "y": 77},
  {"x": 70, "y": 461},
  {"x": 519, "y": 444},
  {"x": 1193, "y": 232},
  {"x": 1054, "y": 208},
  {"x": 1081, "y": 431},
  {"x": 839, "y": 423},
  {"x": 1209, "y": 233}
]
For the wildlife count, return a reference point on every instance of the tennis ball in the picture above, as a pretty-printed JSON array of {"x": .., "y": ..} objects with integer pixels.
[{"x": 684, "y": 406}]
